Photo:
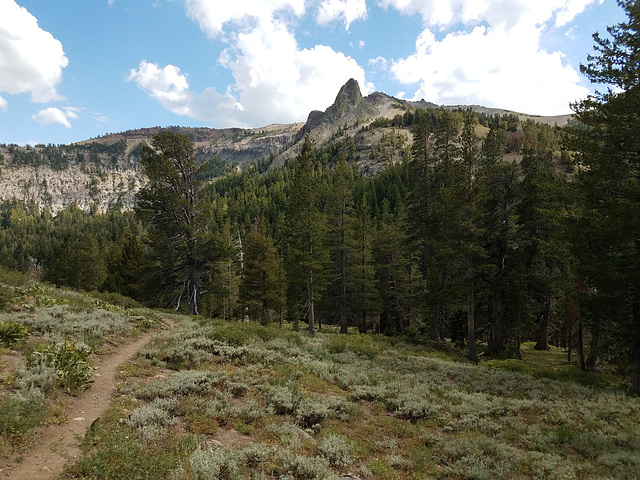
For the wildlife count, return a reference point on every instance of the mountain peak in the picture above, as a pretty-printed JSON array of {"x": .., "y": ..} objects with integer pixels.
[{"x": 350, "y": 93}]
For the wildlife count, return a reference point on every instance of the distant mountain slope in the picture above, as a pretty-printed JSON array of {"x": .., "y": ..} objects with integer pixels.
[{"x": 105, "y": 171}]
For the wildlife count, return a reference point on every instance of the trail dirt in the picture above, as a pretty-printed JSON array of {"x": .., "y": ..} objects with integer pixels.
[{"x": 58, "y": 444}]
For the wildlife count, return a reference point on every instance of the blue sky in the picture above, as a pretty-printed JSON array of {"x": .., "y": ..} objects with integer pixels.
[{"x": 76, "y": 69}]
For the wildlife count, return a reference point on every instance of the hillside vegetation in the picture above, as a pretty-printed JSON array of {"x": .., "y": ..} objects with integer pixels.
[{"x": 213, "y": 399}]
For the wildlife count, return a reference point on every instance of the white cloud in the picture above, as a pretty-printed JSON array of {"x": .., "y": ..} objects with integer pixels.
[
  {"x": 274, "y": 79},
  {"x": 492, "y": 67},
  {"x": 496, "y": 60},
  {"x": 55, "y": 115},
  {"x": 348, "y": 10},
  {"x": 31, "y": 59},
  {"x": 570, "y": 9},
  {"x": 3, "y": 104},
  {"x": 171, "y": 89},
  {"x": 278, "y": 82},
  {"x": 498, "y": 13},
  {"x": 213, "y": 15},
  {"x": 378, "y": 64}
]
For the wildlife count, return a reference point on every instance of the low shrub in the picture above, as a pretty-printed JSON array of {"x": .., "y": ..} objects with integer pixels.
[
  {"x": 336, "y": 450},
  {"x": 20, "y": 412},
  {"x": 73, "y": 370},
  {"x": 152, "y": 419},
  {"x": 412, "y": 406},
  {"x": 11, "y": 332},
  {"x": 362, "y": 345},
  {"x": 221, "y": 464},
  {"x": 39, "y": 375}
]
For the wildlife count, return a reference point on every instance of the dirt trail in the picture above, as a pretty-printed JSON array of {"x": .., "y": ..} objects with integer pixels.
[{"x": 58, "y": 443}]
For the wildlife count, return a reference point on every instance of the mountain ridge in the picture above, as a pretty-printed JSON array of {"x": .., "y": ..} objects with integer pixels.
[{"x": 105, "y": 171}]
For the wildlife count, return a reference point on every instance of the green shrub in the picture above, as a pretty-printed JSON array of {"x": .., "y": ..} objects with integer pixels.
[
  {"x": 311, "y": 412},
  {"x": 118, "y": 456},
  {"x": 151, "y": 419},
  {"x": 20, "y": 412},
  {"x": 219, "y": 464},
  {"x": 285, "y": 400},
  {"x": 6, "y": 295},
  {"x": 73, "y": 370},
  {"x": 11, "y": 332},
  {"x": 336, "y": 450},
  {"x": 362, "y": 345},
  {"x": 412, "y": 406},
  {"x": 38, "y": 376},
  {"x": 116, "y": 299}
]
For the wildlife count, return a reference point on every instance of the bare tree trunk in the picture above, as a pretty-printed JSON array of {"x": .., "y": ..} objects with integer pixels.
[
  {"x": 496, "y": 334},
  {"x": 542, "y": 334},
  {"x": 590, "y": 362},
  {"x": 471, "y": 328},
  {"x": 312, "y": 327},
  {"x": 438, "y": 315},
  {"x": 583, "y": 365}
]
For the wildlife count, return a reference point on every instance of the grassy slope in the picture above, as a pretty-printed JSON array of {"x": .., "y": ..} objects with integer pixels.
[
  {"x": 221, "y": 400},
  {"x": 46, "y": 338},
  {"x": 236, "y": 400}
]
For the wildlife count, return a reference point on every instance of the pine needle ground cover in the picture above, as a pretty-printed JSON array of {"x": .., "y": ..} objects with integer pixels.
[{"x": 216, "y": 400}]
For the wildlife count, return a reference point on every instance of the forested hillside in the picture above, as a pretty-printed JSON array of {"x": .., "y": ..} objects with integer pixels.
[{"x": 473, "y": 230}]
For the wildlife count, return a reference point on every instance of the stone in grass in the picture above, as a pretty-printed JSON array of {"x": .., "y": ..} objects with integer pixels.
[{"x": 302, "y": 435}]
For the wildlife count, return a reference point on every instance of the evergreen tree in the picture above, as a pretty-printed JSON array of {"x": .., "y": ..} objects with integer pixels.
[
  {"x": 608, "y": 150},
  {"x": 546, "y": 259},
  {"x": 470, "y": 246},
  {"x": 169, "y": 202},
  {"x": 393, "y": 274},
  {"x": 420, "y": 198},
  {"x": 498, "y": 189},
  {"x": 304, "y": 235},
  {"x": 263, "y": 286},
  {"x": 341, "y": 243},
  {"x": 364, "y": 283}
]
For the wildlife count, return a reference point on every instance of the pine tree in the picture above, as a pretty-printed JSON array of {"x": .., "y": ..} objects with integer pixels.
[
  {"x": 304, "y": 235},
  {"x": 420, "y": 199},
  {"x": 364, "y": 284},
  {"x": 393, "y": 274},
  {"x": 499, "y": 182},
  {"x": 169, "y": 202},
  {"x": 470, "y": 246},
  {"x": 544, "y": 254},
  {"x": 341, "y": 243},
  {"x": 262, "y": 288},
  {"x": 608, "y": 150}
]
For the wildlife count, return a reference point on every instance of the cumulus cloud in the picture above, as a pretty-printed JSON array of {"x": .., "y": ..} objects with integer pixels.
[
  {"x": 346, "y": 10},
  {"x": 275, "y": 80},
  {"x": 171, "y": 89},
  {"x": 503, "y": 13},
  {"x": 212, "y": 16},
  {"x": 55, "y": 115},
  {"x": 31, "y": 59},
  {"x": 497, "y": 60}
]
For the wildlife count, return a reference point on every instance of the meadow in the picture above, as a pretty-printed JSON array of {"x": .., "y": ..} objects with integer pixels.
[{"x": 235, "y": 400}]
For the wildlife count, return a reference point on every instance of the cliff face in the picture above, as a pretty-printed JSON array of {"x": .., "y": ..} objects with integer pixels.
[{"x": 57, "y": 177}]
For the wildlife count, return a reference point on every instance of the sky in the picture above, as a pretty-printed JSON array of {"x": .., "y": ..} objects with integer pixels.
[{"x": 71, "y": 70}]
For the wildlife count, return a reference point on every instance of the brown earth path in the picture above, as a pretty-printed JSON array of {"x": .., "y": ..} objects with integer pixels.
[{"x": 58, "y": 444}]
